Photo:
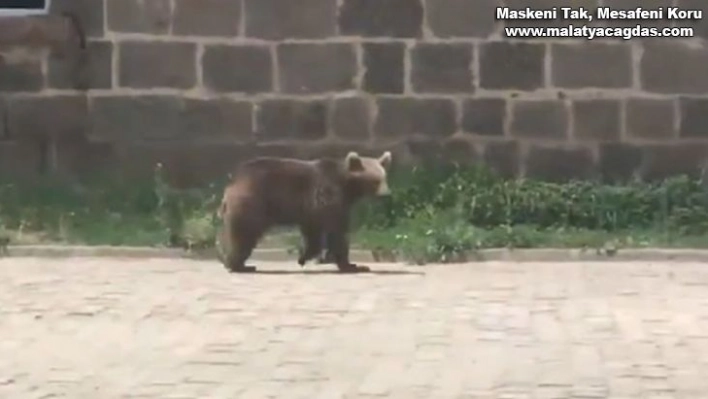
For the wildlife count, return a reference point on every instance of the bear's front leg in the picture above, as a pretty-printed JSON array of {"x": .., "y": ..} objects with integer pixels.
[{"x": 339, "y": 245}]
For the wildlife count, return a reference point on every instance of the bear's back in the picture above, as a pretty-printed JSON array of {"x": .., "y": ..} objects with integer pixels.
[{"x": 288, "y": 190}]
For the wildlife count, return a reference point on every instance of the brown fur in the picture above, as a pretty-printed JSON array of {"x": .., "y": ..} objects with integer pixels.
[{"x": 315, "y": 196}]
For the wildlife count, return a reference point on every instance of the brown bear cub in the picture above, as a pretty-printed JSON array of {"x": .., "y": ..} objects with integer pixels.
[{"x": 315, "y": 196}]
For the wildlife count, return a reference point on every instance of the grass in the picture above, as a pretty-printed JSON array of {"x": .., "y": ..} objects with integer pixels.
[{"x": 435, "y": 215}]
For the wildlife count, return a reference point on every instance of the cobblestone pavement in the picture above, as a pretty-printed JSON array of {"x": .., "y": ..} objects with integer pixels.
[{"x": 97, "y": 328}]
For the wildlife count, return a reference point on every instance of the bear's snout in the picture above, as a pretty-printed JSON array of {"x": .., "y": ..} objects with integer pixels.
[{"x": 383, "y": 190}]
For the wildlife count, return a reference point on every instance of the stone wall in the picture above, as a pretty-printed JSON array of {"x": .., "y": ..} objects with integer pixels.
[{"x": 200, "y": 85}]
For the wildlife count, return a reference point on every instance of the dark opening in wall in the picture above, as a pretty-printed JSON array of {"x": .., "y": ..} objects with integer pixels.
[
  {"x": 9, "y": 8},
  {"x": 24, "y": 4}
]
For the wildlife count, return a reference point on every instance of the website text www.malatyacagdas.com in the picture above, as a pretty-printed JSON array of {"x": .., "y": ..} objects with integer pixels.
[{"x": 597, "y": 32}]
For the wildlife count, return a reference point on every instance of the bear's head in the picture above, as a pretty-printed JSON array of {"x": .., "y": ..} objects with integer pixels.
[{"x": 366, "y": 175}]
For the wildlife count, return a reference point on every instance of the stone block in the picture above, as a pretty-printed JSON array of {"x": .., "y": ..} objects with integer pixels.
[
  {"x": 384, "y": 63},
  {"x": 82, "y": 159},
  {"x": 152, "y": 117},
  {"x": 219, "y": 118},
  {"x": 139, "y": 16},
  {"x": 597, "y": 120},
  {"x": 184, "y": 165},
  {"x": 559, "y": 164},
  {"x": 352, "y": 118},
  {"x": 461, "y": 18},
  {"x": 91, "y": 68},
  {"x": 539, "y": 119},
  {"x": 503, "y": 158},
  {"x": 136, "y": 118},
  {"x": 62, "y": 117},
  {"x": 20, "y": 160},
  {"x": 422, "y": 150},
  {"x": 515, "y": 66},
  {"x": 316, "y": 68},
  {"x": 672, "y": 67},
  {"x": 484, "y": 116},
  {"x": 590, "y": 5},
  {"x": 247, "y": 69},
  {"x": 663, "y": 161},
  {"x": 441, "y": 68},
  {"x": 285, "y": 119},
  {"x": 619, "y": 162},
  {"x": 693, "y": 118},
  {"x": 282, "y": 19},
  {"x": 206, "y": 18},
  {"x": 700, "y": 27},
  {"x": 401, "y": 117},
  {"x": 18, "y": 76},
  {"x": 90, "y": 13},
  {"x": 37, "y": 32},
  {"x": 649, "y": 118},
  {"x": 384, "y": 18},
  {"x": 460, "y": 150},
  {"x": 148, "y": 65},
  {"x": 591, "y": 65}
]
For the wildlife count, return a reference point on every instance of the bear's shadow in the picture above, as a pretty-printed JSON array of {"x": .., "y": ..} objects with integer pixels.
[{"x": 334, "y": 272}]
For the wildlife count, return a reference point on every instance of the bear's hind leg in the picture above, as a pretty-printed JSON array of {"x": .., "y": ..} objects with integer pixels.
[
  {"x": 312, "y": 237},
  {"x": 243, "y": 238}
]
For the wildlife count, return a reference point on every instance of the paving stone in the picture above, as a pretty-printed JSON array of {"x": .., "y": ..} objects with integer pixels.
[{"x": 161, "y": 313}]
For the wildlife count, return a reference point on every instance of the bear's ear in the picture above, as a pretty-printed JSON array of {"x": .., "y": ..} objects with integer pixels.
[
  {"x": 385, "y": 159},
  {"x": 353, "y": 162}
]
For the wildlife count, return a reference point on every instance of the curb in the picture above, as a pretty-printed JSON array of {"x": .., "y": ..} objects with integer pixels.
[
  {"x": 100, "y": 251},
  {"x": 365, "y": 256}
]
